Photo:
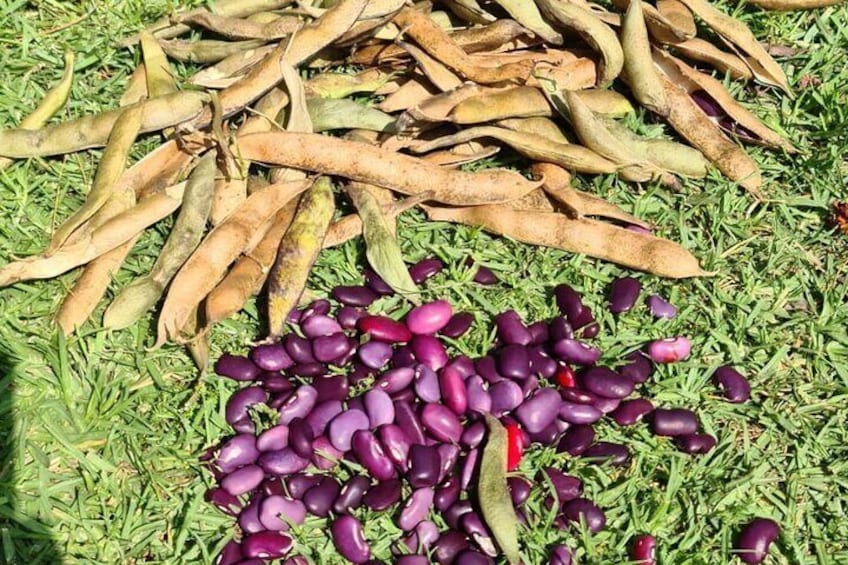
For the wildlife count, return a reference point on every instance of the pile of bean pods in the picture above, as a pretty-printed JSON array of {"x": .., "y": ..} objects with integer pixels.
[
  {"x": 386, "y": 99},
  {"x": 381, "y": 404}
]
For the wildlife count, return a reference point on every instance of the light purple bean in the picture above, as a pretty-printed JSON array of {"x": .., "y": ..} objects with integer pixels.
[
  {"x": 243, "y": 480},
  {"x": 271, "y": 357},
  {"x": 322, "y": 415},
  {"x": 427, "y": 384},
  {"x": 416, "y": 508},
  {"x": 370, "y": 455},
  {"x": 579, "y": 413},
  {"x": 375, "y": 354},
  {"x": 576, "y": 352},
  {"x": 266, "y": 545},
  {"x": 343, "y": 426},
  {"x": 277, "y": 512},
  {"x": 506, "y": 395},
  {"x": 606, "y": 383},
  {"x": 237, "y": 451},
  {"x": 479, "y": 399},
  {"x": 282, "y": 462},
  {"x": 661, "y": 308},
  {"x": 299, "y": 405},
  {"x": 379, "y": 407},
  {"x": 319, "y": 325},
  {"x": 540, "y": 410}
]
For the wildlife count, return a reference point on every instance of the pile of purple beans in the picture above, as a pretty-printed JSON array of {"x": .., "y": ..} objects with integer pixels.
[{"x": 388, "y": 398}]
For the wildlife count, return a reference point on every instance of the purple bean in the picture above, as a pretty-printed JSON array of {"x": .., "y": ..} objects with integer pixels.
[
  {"x": 669, "y": 350},
  {"x": 514, "y": 362},
  {"x": 607, "y": 452},
  {"x": 274, "y": 383},
  {"x": 383, "y": 495},
  {"x": 752, "y": 544},
  {"x": 638, "y": 368},
  {"x": 330, "y": 348},
  {"x": 579, "y": 413},
  {"x": 695, "y": 444},
  {"x": 248, "y": 519},
  {"x": 472, "y": 524},
  {"x": 383, "y": 328},
  {"x": 590, "y": 331},
  {"x": 429, "y": 351},
  {"x": 322, "y": 415},
  {"x": 416, "y": 508},
  {"x": 606, "y": 383},
  {"x": 348, "y": 316},
  {"x": 299, "y": 405},
  {"x": 243, "y": 480},
  {"x": 457, "y": 325},
  {"x": 506, "y": 395},
  {"x": 623, "y": 294},
  {"x": 479, "y": 399},
  {"x": 661, "y": 308},
  {"x": 539, "y": 411},
  {"x": 674, "y": 422},
  {"x": 561, "y": 555},
  {"x": 375, "y": 354},
  {"x": 577, "y": 395},
  {"x": 605, "y": 405},
  {"x": 324, "y": 455},
  {"x": 294, "y": 560},
  {"x": 547, "y": 435},
  {"x": 568, "y": 301},
  {"x": 631, "y": 411},
  {"x": 271, "y": 357},
  {"x": 282, "y": 462},
  {"x": 377, "y": 284},
  {"x": 266, "y": 545},
  {"x": 237, "y": 451},
  {"x": 583, "y": 509},
  {"x": 403, "y": 357},
  {"x": 379, "y": 407},
  {"x": 396, "y": 444},
  {"x": 559, "y": 329},
  {"x": 230, "y": 554},
  {"x": 487, "y": 368},
  {"x": 395, "y": 380},
  {"x": 370, "y": 455},
  {"x": 585, "y": 318},
  {"x": 463, "y": 365},
  {"x": 454, "y": 513},
  {"x": 565, "y": 487},
  {"x": 277, "y": 512},
  {"x": 351, "y": 495},
  {"x": 519, "y": 489},
  {"x": 320, "y": 307},
  {"x": 529, "y": 385},
  {"x": 447, "y": 494},
  {"x": 412, "y": 560},
  {"x": 298, "y": 348},
  {"x": 319, "y": 325},
  {"x": 541, "y": 364},
  {"x": 469, "y": 467},
  {"x": 308, "y": 370},
  {"x": 472, "y": 557},
  {"x": 448, "y": 455},
  {"x": 408, "y": 420},
  {"x": 223, "y": 501},
  {"x": 429, "y": 318},
  {"x": 485, "y": 276},
  {"x": 424, "y": 466},
  {"x": 272, "y": 486},
  {"x": 735, "y": 387},
  {"x": 453, "y": 391},
  {"x": 511, "y": 329},
  {"x": 354, "y": 295},
  {"x": 424, "y": 269},
  {"x": 427, "y": 384},
  {"x": 319, "y": 499},
  {"x": 343, "y": 426},
  {"x": 428, "y": 534},
  {"x": 349, "y": 539},
  {"x": 238, "y": 406},
  {"x": 301, "y": 437},
  {"x": 576, "y": 352},
  {"x": 236, "y": 367},
  {"x": 450, "y": 544},
  {"x": 298, "y": 484},
  {"x": 440, "y": 422}
]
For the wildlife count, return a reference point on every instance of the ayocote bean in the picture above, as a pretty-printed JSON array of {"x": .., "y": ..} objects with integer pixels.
[
  {"x": 623, "y": 294},
  {"x": 733, "y": 385},
  {"x": 349, "y": 539},
  {"x": 429, "y": 318},
  {"x": 674, "y": 422},
  {"x": 606, "y": 383},
  {"x": 752, "y": 544}
]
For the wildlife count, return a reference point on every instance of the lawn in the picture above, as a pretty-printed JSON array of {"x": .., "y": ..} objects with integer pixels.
[{"x": 99, "y": 436}]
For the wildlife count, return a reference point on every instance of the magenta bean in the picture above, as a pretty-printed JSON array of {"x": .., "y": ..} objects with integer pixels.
[
  {"x": 429, "y": 318},
  {"x": 579, "y": 413},
  {"x": 441, "y": 423},
  {"x": 695, "y": 444},
  {"x": 343, "y": 426},
  {"x": 734, "y": 386},
  {"x": 472, "y": 524},
  {"x": 583, "y": 509},
  {"x": 519, "y": 489},
  {"x": 377, "y": 284},
  {"x": 539, "y": 411},
  {"x": 282, "y": 462},
  {"x": 661, "y": 308},
  {"x": 506, "y": 395},
  {"x": 242, "y": 480},
  {"x": 375, "y": 354},
  {"x": 354, "y": 295},
  {"x": 674, "y": 422},
  {"x": 565, "y": 487},
  {"x": 514, "y": 362},
  {"x": 568, "y": 301},
  {"x": 447, "y": 494},
  {"x": 395, "y": 443},
  {"x": 631, "y": 411},
  {"x": 479, "y": 399},
  {"x": 331, "y": 348},
  {"x": 607, "y": 452},
  {"x": 469, "y": 468},
  {"x": 237, "y": 451},
  {"x": 274, "y": 383},
  {"x": 485, "y": 276},
  {"x": 473, "y": 557},
  {"x": 416, "y": 508},
  {"x": 638, "y": 367},
  {"x": 753, "y": 543},
  {"x": 319, "y": 499},
  {"x": 453, "y": 391},
  {"x": 271, "y": 357},
  {"x": 458, "y": 325},
  {"x": 428, "y": 534},
  {"x": 370, "y": 455},
  {"x": 301, "y": 437},
  {"x": 298, "y": 484},
  {"x": 450, "y": 544},
  {"x": 319, "y": 325},
  {"x": 351, "y": 495},
  {"x": 541, "y": 364},
  {"x": 322, "y": 415},
  {"x": 348, "y": 316},
  {"x": 427, "y": 384},
  {"x": 511, "y": 329},
  {"x": 561, "y": 555},
  {"x": 383, "y": 495},
  {"x": 299, "y": 405},
  {"x": 487, "y": 368},
  {"x": 429, "y": 351},
  {"x": 424, "y": 466},
  {"x": 277, "y": 512},
  {"x": 412, "y": 560},
  {"x": 320, "y": 307},
  {"x": 408, "y": 420},
  {"x": 643, "y": 550},
  {"x": 324, "y": 455},
  {"x": 236, "y": 367},
  {"x": 395, "y": 380},
  {"x": 223, "y": 501},
  {"x": 669, "y": 350},
  {"x": 382, "y": 328},
  {"x": 248, "y": 519},
  {"x": 559, "y": 329},
  {"x": 473, "y": 434},
  {"x": 349, "y": 540},
  {"x": 230, "y": 554},
  {"x": 623, "y": 294},
  {"x": 448, "y": 455},
  {"x": 238, "y": 406},
  {"x": 606, "y": 383},
  {"x": 298, "y": 348},
  {"x": 273, "y": 439},
  {"x": 576, "y": 352}
]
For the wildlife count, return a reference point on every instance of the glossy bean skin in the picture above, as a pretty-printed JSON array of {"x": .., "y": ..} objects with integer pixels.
[
  {"x": 638, "y": 367},
  {"x": 322, "y": 415},
  {"x": 569, "y": 301},
  {"x": 319, "y": 499},
  {"x": 395, "y": 380},
  {"x": 349, "y": 540},
  {"x": 660, "y": 307},
  {"x": 506, "y": 395},
  {"x": 458, "y": 325},
  {"x": 383, "y": 328},
  {"x": 607, "y": 452},
  {"x": 371, "y": 455},
  {"x": 561, "y": 555},
  {"x": 478, "y": 398},
  {"x": 453, "y": 391},
  {"x": 351, "y": 495},
  {"x": 301, "y": 437},
  {"x": 427, "y": 384},
  {"x": 236, "y": 367},
  {"x": 396, "y": 444},
  {"x": 695, "y": 444},
  {"x": 624, "y": 293},
  {"x": 429, "y": 351},
  {"x": 583, "y": 509},
  {"x": 238, "y": 406},
  {"x": 230, "y": 554},
  {"x": 425, "y": 268},
  {"x": 361, "y": 296},
  {"x": 242, "y": 480},
  {"x": 565, "y": 487},
  {"x": 752, "y": 544},
  {"x": 440, "y": 422},
  {"x": 577, "y": 439},
  {"x": 576, "y": 352},
  {"x": 424, "y": 466},
  {"x": 223, "y": 501},
  {"x": 519, "y": 490},
  {"x": 237, "y": 451},
  {"x": 299, "y": 404},
  {"x": 282, "y": 462},
  {"x": 383, "y": 495},
  {"x": 674, "y": 422},
  {"x": 579, "y": 413},
  {"x": 733, "y": 385},
  {"x": 271, "y": 357},
  {"x": 670, "y": 350},
  {"x": 540, "y": 410},
  {"x": 643, "y": 550},
  {"x": 266, "y": 545},
  {"x": 450, "y": 544},
  {"x": 319, "y": 325},
  {"x": 447, "y": 494},
  {"x": 343, "y": 426},
  {"x": 379, "y": 408},
  {"x": 606, "y": 383},
  {"x": 511, "y": 328},
  {"x": 631, "y": 411},
  {"x": 416, "y": 508},
  {"x": 429, "y": 318},
  {"x": 276, "y": 512}
]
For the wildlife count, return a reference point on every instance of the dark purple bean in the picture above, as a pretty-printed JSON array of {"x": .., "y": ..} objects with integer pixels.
[
  {"x": 624, "y": 293},
  {"x": 458, "y": 325},
  {"x": 707, "y": 103},
  {"x": 590, "y": 331},
  {"x": 643, "y": 550},
  {"x": 427, "y": 384},
  {"x": 360, "y": 372},
  {"x": 561, "y": 555},
  {"x": 583, "y": 509},
  {"x": 577, "y": 395},
  {"x": 416, "y": 508},
  {"x": 529, "y": 385},
  {"x": 547, "y": 436},
  {"x": 511, "y": 329},
  {"x": 448, "y": 455},
  {"x": 294, "y": 316},
  {"x": 441, "y": 423},
  {"x": 319, "y": 499},
  {"x": 579, "y": 413},
  {"x": 308, "y": 370},
  {"x": 403, "y": 357},
  {"x": 576, "y": 352},
  {"x": 370, "y": 455},
  {"x": 514, "y": 362},
  {"x": 734, "y": 386},
  {"x": 607, "y": 452},
  {"x": 606, "y": 383},
  {"x": 519, "y": 489},
  {"x": 753, "y": 543},
  {"x": 487, "y": 368},
  {"x": 349, "y": 539},
  {"x": 248, "y": 519},
  {"x": 354, "y": 295},
  {"x": 395, "y": 443},
  {"x": 383, "y": 328},
  {"x": 408, "y": 420},
  {"x": 382, "y": 495},
  {"x": 473, "y": 525},
  {"x": 463, "y": 365},
  {"x": 568, "y": 301},
  {"x": 236, "y": 367},
  {"x": 322, "y": 415},
  {"x": 377, "y": 284},
  {"x": 485, "y": 276},
  {"x": 674, "y": 422},
  {"x": 425, "y": 268},
  {"x": 450, "y": 544},
  {"x": 347, "y": 316},
  {"x": 277, "y": 512},
  {"x": 539, "y": 332},
  {"x": 585, "y": 318},
  {"x": 541, "y": 364},
  {"x": 453, "y": 391},
  {"x": 472, "y": 557},
  {"x": 238, "y": 406},
  {"x": 299, "y": 405},
  {"x": 298, "y": 348},
  {"x": 454, "y": 513},
  {"x": 320, "y": 307},
  {"x": 271, "y": 357},
  {"x": 243, "y": 480},
  {"x": 539, "y": 411},
  {"x": 230, "y": 554},
  {"x": 375, "y": 354},
  {"x": 272, "y": 486},
  {"x": 661, "y": 308},
  {"x": 469, "y": 468},
  {"x": 412, "y": 560},
  {"x": 565, "y": 487},
  {"x": 300, "y": 437},
  {"x": 506, "y": 396},
  {"x": 223, "y": 501},
  {"x": 330, "y": 348},
  {"x": 447, "y": 494},
  {"x": 638, "y": 368},
  {"x": 669, "y": 350},
  {"x": 237, "y": 451},
  {"x": 424, "y": 466},
  {"x": 473, "y": 434},
  {"x": 343, "y": 426},
  {"x": 631, "y": 411},
  {"x": 429, "y": 318},
  {"x": 559, "y": 329},
  {"x": 298, "y": 484},
  {"x": 273, "y": 383},
  {"x": 351, "y": 495},
  {"x": 395, "y": 380},
  {"x": 478, "y": 397},
  {"x": 429, "y": 351},
  {"x": 334, "y": 387},
  {"x": 282, "y": 462},
  {"x": 319, "y": 325},
  {"x": 695, "y": 444}
]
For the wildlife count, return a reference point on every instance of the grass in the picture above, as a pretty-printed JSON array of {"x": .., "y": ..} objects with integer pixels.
[{"x": 99, "y": 436}]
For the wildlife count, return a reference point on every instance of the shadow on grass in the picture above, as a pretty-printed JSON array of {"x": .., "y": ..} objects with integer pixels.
[{"x": 23, "y": 540}]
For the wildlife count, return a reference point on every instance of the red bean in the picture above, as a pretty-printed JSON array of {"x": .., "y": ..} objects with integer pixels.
[
  {"x": 753, "y": 543},
  {"x": 661, "y": 308},
  {"x": 429, "y": 351},
  {"x": 623, "y": 294},
  {"x": 383, "y": 328}
]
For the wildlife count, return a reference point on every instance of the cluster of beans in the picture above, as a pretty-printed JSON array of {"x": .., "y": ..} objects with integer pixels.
[{"x": 386, "y": 395}]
